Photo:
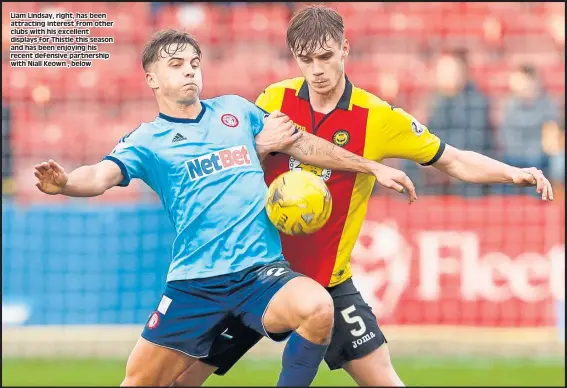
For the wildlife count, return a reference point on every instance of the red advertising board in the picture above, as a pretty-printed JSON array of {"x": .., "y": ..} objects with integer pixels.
[{"x": 493, "y": 261}]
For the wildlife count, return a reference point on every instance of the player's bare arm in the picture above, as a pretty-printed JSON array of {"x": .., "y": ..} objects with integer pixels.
[
  {"x": 276, "y": 134},
  {"x": 85, "y": 181},
  {"x": 320, "y": 152},
  {"x": 473, "y": 167},
  {"x": 279, "y": 134}
]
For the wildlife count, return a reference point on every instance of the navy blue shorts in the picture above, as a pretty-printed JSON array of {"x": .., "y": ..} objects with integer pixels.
[{"x": 192, "y": 313}]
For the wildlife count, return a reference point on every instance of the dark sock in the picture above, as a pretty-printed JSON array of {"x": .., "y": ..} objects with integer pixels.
[{"x": 300, "y": 360}]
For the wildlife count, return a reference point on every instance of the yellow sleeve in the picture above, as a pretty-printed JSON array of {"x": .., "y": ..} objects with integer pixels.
[
  {"x": 271, "y": 99},
  {"x": 397, "y": 134}
]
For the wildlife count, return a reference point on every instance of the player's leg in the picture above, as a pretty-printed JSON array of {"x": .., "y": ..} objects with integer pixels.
[
  {"x": 311, "y": 319},
  {"x": 358, "y": 345},
  {"x": 152, "y": 365},
  {"x": 195, "y": 375},
  {"x": 374, "y": 369},
  {"x": 181, "y": 330},
  {"x": 228, "y": 348},
  {"x": 303, "y": 306},
  {"x": 285, "y": 301},
  {"x": 276, "y": 305}
]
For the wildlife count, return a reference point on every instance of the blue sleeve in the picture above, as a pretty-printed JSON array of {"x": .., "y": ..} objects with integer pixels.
[
  {"x": 256, "y": 117},
  {"x": 130, "y": 158}
]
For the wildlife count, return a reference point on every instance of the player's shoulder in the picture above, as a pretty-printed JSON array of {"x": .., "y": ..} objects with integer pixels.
[
  {"x": 138, "y": 135},
  {"x": 290, "y": 83},
  {"x": 381, "y": 114},
  {"x": 370, "y": 101},
  {"x": 228, "y": 100},
  {"x": 380, "y": 111}
]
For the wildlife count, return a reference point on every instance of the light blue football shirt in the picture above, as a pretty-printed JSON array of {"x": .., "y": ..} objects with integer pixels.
[{"x": 208, "y": 177}]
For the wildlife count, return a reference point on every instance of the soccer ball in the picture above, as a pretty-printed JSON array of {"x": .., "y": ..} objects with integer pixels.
[{"x": 298, "y": 203}]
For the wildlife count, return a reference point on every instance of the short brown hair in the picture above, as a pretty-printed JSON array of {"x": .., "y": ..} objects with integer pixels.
[
  {"x": 312, "y": 27},
  {"x": 162, "y": 41}
]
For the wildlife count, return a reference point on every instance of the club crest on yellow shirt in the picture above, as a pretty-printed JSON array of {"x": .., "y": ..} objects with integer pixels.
[{"x": 341, "y": 138}]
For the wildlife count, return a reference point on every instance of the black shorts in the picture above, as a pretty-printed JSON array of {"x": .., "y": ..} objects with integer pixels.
[{"x": 355, "y": 334}]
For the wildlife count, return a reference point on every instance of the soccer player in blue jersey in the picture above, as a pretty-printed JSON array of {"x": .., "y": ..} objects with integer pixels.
[{"x": 202, "y": 158}]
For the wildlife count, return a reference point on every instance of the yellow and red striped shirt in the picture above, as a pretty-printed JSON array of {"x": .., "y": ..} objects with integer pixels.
[{"x": 362, "y": 124}]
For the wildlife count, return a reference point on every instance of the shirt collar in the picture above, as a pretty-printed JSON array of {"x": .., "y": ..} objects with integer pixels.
[
  {"x": 185, "y": 120},
  {"x": 344, "y": 101}
]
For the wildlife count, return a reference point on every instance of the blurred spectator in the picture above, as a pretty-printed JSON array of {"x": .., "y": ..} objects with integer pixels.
[
  {"x": 156, "y": 5},
  {"x": 554, "y": 146},
  {"x": 7, "y": 182},
  {"x": 460, "y": 116},
  {"x": 529, "y": 134}
]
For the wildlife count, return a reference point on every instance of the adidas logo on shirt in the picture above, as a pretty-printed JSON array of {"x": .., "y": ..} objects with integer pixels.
[{"x": 178, "y": 137}]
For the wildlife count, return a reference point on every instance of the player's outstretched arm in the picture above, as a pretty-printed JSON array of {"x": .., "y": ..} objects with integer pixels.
[
  {"x": 85, "y": 181},
  {"x": 277, "y": 137},
  {"x": 470, "y": 166}
]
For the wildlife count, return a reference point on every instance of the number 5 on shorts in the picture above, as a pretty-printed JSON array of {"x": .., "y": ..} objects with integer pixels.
[{"x": 352, "y": 319}]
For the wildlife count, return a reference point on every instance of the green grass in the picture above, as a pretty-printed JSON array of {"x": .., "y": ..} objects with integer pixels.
[{"x": 413, "y": 371}]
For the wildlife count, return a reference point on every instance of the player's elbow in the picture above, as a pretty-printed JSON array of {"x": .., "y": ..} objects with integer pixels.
[
  {"x": 100, "y": 186},
  {"x": 106, "y": 175}
]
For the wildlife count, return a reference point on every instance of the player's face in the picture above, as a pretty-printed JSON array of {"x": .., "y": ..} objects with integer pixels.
[
  {"x": 178, "y": 76},
  {"x": 324, "y": 68}
]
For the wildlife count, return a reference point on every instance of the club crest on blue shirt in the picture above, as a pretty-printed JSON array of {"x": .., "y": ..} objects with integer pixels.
[{"x": 229, "y": 120}]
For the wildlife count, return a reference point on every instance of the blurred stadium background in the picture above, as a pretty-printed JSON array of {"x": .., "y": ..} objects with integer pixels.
[{"x": 468, "y": 283}]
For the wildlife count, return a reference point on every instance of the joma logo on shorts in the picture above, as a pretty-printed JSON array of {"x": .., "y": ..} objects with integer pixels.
[{"x": 365, "y": 338}]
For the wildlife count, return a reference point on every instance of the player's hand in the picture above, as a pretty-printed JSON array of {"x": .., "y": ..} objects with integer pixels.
[
  {"x": 278, "y": 133},
  {"x": 527, "y": 177},
  {"x": 51, "y": 176},
  {"x": 395, "y": 179}
]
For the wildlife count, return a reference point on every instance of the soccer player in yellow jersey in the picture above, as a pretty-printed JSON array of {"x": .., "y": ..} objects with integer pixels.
[{"x": 325, "y": 103}]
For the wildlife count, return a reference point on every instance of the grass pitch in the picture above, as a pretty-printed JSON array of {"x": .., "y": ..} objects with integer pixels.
[{"x": 261, "y": 372}]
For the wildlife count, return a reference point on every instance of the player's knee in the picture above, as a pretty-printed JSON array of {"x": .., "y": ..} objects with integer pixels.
[{"x": 317, "y": 318}]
